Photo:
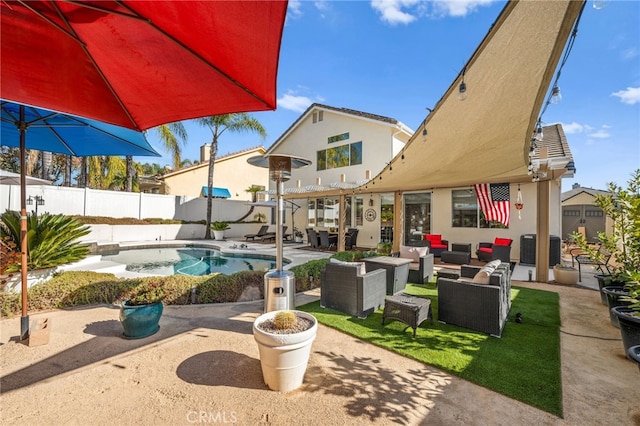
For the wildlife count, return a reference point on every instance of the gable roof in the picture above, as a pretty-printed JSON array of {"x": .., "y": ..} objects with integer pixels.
[
  {"x": 258, "y": 149},
  {"x": 573, "y": 192},
  {"x": 340, "y": 111}
]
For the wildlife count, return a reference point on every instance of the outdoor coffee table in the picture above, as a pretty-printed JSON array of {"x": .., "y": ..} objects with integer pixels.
[
  {"x": 397, "y": 271},
  {"x": 453, "y": 274},
  {"x": 411, "y": 310}
]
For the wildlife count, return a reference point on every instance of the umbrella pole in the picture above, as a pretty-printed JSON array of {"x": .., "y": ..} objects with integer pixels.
[{"x": 24, "y": 320}]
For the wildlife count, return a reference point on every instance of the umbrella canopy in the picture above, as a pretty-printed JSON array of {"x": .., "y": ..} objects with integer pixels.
[
  {"x": 65, "y": 134},
  {"x": 139, "y": 64},
  {"x": 55, "y": 132},
  {"x": 10, "y": 178}
]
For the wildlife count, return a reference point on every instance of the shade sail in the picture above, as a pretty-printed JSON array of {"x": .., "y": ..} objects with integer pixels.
[
  {"x": 216, "y": 192},
  {"x": 485, "y": 138},
  {"x": 139, "y": 64}
]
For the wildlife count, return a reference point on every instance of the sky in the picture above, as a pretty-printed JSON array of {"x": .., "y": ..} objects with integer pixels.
[{"x": 396, "y": 58}]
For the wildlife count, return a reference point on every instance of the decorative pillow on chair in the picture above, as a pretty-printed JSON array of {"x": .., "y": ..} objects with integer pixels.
[
  {"x": 502, "y": 241},
  {"x": 482, "y": 277},
  {"x": 359, "y": 265},
  {"x": 434, "y": 238},
  {"x": 413, "y": 253}
]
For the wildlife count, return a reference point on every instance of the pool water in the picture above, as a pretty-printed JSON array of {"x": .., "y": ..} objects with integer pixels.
[{"x": 193, "y": 261}]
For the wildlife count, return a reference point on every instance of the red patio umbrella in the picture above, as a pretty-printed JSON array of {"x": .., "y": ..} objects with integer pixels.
[{"x": 138, "y": 64}]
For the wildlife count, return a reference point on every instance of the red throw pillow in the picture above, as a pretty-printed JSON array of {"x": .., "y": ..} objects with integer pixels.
[
  {"x": 502, "y": 241},
  {"x": 434, "y": 238}
]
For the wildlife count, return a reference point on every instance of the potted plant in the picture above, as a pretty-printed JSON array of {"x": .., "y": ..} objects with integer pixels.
[
  {"x": 565, "y": 274},
  {"x": 284, "y": 340},
  {"x": 140, "y": 313},
  {"x": 629, "y": 316},
  {"x": 297, "y": 234},
  {"x": 218, "y": 228},
  {"x": 622, "y": 207}
]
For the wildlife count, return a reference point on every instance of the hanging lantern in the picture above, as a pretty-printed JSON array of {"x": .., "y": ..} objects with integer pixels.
[{"x": 519, "y": 205}]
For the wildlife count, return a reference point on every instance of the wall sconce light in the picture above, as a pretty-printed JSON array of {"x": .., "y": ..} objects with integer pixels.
[
  {"x": 462, "y": 89},
  {"x": 402, "y": 158},
  {"x": 424, "y": 131},
  {"x": 556, "y": 96},
  {"x": 371, "y": 201}
]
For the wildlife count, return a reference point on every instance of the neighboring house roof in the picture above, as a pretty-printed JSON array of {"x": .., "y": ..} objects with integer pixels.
[
  {"x": 259, "y": 149},
  {"x": 344, "y": 111},
  {"x": 581, "y": 190}
]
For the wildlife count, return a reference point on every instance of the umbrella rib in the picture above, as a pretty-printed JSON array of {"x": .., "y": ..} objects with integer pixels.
[{"x": 55, "y": 25}]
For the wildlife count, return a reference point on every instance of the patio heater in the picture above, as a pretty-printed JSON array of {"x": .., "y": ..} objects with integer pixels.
[{"x": 279, "y": 285}]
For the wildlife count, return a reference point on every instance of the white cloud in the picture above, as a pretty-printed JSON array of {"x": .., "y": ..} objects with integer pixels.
[
  {"x": 599, "y": 134},
  {"x": 573, "y": 128},
  {"x": 629, "y": 53},
  {"x": 294, "y": 9},
  {"x": 458, "y": 7},
  {"x": 629, "y": 96},
  {"x": 406, "y": 11},
  {"x": 294, "y": 103},
  {"x": 391, "y": 10}
]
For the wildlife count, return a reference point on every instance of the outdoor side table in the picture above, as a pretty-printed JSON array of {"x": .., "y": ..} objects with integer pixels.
[
  {"x": 453, "y": 274},
  {"x": 411, "y": 310},
  {"x": 397, "y": 271}
]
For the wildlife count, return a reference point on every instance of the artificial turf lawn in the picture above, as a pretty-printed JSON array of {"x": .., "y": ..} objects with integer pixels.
[{"x": 524, "y": 364}]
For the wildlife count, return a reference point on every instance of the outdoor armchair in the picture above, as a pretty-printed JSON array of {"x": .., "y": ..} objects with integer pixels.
[
  {"x": 500, "y": 248},
  {"x": 346, "y": 288},
  {"x": 436, "y": 244},
  {"x": 421, "y": 266}
]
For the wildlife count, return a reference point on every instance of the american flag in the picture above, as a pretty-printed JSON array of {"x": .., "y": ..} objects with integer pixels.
[{"x": 494, "y": 201}]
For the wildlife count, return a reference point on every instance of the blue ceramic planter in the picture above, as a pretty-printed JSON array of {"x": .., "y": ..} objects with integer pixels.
[{"x": 141, "y": 320}]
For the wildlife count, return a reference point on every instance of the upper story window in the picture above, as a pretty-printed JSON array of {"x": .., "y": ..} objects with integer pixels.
[
  {"x": 339, "y": 156},
  {"x": 338, "y": 138},
  {"x": 317, "y": 116}
]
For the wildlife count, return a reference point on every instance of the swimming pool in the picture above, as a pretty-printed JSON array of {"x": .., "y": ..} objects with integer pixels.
[{"x": 193, "y": 261}]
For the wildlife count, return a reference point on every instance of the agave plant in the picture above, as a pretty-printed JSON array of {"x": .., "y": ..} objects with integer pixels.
[{"x": 52, "y": 240}]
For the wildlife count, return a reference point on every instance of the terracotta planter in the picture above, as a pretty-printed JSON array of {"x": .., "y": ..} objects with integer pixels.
[{"x": 284, "y": 357}]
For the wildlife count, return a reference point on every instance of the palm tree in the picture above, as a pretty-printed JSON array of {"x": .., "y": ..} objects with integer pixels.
[
  {"x": 218, "y": 124},
  {"x": 170, "y": 134}
]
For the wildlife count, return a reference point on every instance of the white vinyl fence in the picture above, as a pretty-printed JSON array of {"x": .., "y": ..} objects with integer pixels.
[{"x": 119, "y": 204}]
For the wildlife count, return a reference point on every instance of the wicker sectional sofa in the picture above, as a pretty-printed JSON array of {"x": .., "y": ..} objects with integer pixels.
[{"x": 479, "y": 307}]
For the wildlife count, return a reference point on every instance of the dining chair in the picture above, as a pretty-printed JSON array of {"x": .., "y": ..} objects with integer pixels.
[{"x": 327, "y": 241}]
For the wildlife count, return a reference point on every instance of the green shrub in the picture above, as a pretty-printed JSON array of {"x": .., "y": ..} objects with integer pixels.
[
  {"x": 52, "y": 240},
  {"x": 77, "y": 288},
  {"x": 308, "y": 274}
]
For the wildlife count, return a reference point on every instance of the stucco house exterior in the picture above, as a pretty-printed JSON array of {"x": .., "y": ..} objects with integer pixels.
[{"x": 228, "y": 182}]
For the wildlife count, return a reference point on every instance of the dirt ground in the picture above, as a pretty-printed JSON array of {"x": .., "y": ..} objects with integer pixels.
[{"x": 202, "y": 367}]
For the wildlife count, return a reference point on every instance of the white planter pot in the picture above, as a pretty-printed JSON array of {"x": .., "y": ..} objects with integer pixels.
[
  {"x": 298, "y": 239},
  {"x": 37, "y": 276},
  {"x": 565, "y": 276},
  {"x": 284, "y": 357},
  {"x": 219, "y": 235}
]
